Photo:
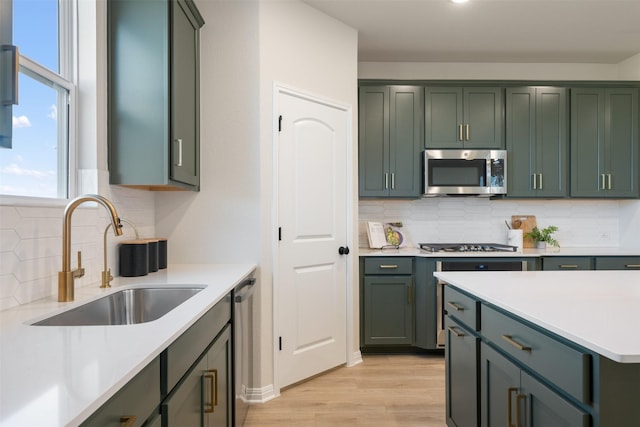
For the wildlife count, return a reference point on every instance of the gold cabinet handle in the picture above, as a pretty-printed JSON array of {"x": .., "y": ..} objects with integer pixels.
[
  {"x": 535, "y": 181},
  {"x": 602, "y": 178},
  {"x": 213, "y": 376},
  {"x": 386, "y": 180},
  {"x": 609, "y": 177},
  {"x": 460, "y": 137},
  {"x": 632, "y": 266},
  {"x": 455, "y": 306},
  {"x": 568, "y": 265},
  {"x": 127, "y": 420},
  {"x": 393, "y": 181},
  {"x": 540, "y": 175},
  {"x": 455, "y": 332},
  {"x": 516, "y": 344},
  {"x": 510, "y": 390},
  {"x": 388, "y": 266},
  {"x": 467, "y": 129}
]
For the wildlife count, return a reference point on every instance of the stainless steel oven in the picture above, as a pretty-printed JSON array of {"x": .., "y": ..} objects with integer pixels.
[{"x": 466, "y": 265}]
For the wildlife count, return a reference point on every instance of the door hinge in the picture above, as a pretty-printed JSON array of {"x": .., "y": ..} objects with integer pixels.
[
  {"x": 280, "y": 343},
  {"x": 279, "y": 123},
  {"x": 279, "y": 233}
]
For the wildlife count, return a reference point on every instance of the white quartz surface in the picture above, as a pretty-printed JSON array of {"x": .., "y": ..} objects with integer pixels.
[
  {"x": 562, "y": 251},
  {"x": 59, "y": 375},
  {"x": 599, "y": 310}
]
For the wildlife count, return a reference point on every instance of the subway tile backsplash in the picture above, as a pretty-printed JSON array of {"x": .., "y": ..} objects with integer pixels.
[
  {"x": 31, "y": 243},
  {"x": 582, "y": 223}
]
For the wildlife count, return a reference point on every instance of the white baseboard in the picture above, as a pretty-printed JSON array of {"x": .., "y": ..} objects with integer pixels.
[
  {"x": 355, "y": 359},
  {"x": 260, "y": 395}
]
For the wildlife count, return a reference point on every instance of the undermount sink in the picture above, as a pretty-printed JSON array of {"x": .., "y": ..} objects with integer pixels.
[{"x": 124, "y": 307}]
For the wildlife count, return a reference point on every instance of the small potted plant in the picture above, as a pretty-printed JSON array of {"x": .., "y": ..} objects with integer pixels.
[{"x": 542, "y": 237}]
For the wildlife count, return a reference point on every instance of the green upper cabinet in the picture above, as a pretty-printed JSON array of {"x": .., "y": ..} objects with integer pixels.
[
  {"x": 604, "y": 142},
  {"x": 537, "y": 141},
  {"x": 469, "y": 117},
  {"x": 390, "y": 142},
  {"x": 154, "y": 93}
]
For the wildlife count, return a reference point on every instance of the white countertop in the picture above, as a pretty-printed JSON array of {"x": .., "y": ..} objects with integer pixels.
[
  {"x": 56, "y": 376},
  {"x": 599, "y": 310},
  {"x": 414, "y": 251}
]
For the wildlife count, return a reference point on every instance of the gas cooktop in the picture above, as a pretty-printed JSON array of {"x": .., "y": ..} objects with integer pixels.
[{"x": 467, "y": 247}]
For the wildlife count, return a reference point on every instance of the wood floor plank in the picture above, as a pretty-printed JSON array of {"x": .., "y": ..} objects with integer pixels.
[{"x": 384, "y": 390}]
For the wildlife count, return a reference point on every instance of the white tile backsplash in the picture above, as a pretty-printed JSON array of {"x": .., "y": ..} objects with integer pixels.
[
  {"x": 31, "y": 243},
  {"x": 582, "y": 223}
]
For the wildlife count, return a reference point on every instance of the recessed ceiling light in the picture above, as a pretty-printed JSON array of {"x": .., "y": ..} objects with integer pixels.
[{"x": 458, "y": 1}]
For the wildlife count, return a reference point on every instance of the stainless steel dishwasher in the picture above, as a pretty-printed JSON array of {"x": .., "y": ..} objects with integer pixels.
[{"x": 243, "y": 346}]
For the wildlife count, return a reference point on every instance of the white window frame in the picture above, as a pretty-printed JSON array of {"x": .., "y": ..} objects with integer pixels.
[{"x": 67, "y": 79}]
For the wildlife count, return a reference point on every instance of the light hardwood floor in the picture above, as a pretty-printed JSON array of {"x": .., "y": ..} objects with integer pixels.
[{"x": 384, "y": 390}]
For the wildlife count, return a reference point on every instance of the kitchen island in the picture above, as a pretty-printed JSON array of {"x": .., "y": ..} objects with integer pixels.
[
  {"x": 543, "y": 348},
  {"x": 60, "y": 375}
]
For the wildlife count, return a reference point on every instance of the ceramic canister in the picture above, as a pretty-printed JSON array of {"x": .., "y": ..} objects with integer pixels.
[
  {"x": 134, "y": 258},
  {"x": 162, "y": 252},
  {"x": 153, "y": 254}
]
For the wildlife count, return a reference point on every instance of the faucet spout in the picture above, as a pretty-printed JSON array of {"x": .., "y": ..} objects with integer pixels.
[{"x": 67, "y": 276}]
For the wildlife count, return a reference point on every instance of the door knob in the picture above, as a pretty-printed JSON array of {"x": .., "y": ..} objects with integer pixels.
[{"x": 343, "y": 250}]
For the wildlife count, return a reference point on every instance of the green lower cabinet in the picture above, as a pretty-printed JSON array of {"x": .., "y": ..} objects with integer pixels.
[
  {"x": 617, "y": 263},
  {"x": 512, "y": 397},
  {"x": 567, "y": 263},
  {"x": 134, "y": 403},
  {"x": 461, "y": 355},
  {"x": 203, "y": 398},
  {"x": 388, "y": 310}
]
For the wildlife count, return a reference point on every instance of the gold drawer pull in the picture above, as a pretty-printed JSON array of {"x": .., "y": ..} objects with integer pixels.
[
  {"x": 568, "y": 266},
  {"x": 127, "y": 420},
  {"x": 213, "y": 376},
  {"x": 511, "y": 390},
  {"x": 388, "y": 266},
  {"x": 632, "y": 266},
  {"x": 515, "y": 343},
  {"x": 456, "y": 306},
  {"x": 455, "y": 332}
]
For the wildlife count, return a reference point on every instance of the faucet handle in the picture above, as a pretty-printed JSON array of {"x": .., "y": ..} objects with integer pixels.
[{"x": 79, "y": 272}]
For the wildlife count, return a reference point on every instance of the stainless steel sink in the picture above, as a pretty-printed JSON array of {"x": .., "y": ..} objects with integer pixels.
[{"x": 125, "y": 307}]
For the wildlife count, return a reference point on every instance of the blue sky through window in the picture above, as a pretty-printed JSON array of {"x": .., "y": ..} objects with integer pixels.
[{"x": 30, "y": 167}]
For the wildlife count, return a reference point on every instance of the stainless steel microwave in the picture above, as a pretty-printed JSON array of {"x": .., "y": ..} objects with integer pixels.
[{"x": 465, "y": 172}]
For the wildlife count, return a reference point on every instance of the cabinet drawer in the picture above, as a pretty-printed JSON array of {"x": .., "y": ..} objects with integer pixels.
[
  {"x": 136, "y": 400},
  {"x": 567, "y": 263},
  {"x": 462, "y": 307},
  {"x": 388, "y": 265},
  {"x": 618, "y": 263},
  {"x": 559, "y": 363},
  {"x": 179, "y": 356}
]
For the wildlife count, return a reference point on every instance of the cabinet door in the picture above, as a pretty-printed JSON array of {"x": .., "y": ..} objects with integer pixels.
[
  {"x": 483, "y": 118},
  {"x": 567, "y": 263},
  {"x": 543, "y": 408},
  {"x": 184, "y": 92},
  {"x": 443, "y": 117},
  {"x": 203, "y": 397},
  {"x": 373, "y": 147},
  {"x": 551, "y": 143},
  {"x": 388, "y": 313},
  {"x": 521, "y": 146},
  {"x": 461, "y": 356},
  {"x": 621, "y": 142},
  {"x": 617, "y": 263},
  {"x": 405, "y": 143},
  {"x": 217, "y": 383},
  {"x": 499, "y": 384},
  {"x": 604, "y": 143},
  {"x": 425, "y": 304}
]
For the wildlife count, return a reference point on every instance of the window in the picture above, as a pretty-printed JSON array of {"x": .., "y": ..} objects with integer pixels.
[{"x": 41, "y": 153}]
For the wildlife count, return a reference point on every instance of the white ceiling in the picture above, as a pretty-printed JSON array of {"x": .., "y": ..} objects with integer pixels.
[{"x": 557, "y": 31}]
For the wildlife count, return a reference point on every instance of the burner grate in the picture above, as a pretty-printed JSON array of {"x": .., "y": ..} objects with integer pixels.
[{"x": 467, "y": 247}]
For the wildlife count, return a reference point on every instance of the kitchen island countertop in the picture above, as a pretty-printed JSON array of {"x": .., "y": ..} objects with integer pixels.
[
  {"x": 59, "y": 375},
  {"x": 595, "y": 309}
]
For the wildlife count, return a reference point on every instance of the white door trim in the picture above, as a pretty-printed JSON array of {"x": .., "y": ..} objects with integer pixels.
[{"x": 352, "y": 358}]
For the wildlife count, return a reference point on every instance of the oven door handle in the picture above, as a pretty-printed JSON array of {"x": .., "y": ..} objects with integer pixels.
[{"x": 244, "y": 290}]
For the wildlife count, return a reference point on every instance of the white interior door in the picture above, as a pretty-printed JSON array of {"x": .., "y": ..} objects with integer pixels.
[{"x": 311, "y": 276}]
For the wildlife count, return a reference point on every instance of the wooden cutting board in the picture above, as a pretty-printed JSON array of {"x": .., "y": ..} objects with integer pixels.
[{"x": 526, "y": 224}]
